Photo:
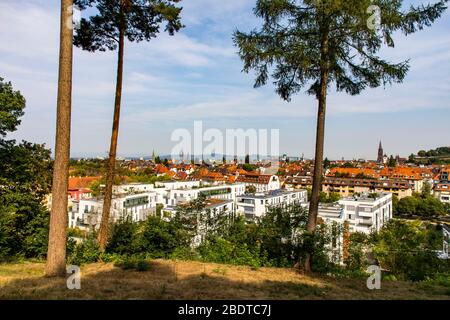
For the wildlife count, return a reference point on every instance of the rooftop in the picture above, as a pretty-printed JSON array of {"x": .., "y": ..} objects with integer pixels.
[
  {"x": 269, "y": 194},
  {"x": 370, "y": 197}
]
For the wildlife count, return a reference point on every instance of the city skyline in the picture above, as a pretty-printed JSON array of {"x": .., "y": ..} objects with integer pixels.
[{"x": 196, "y": 75}]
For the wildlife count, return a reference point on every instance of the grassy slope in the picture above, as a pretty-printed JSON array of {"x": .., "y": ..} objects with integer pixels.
[{"x": 195, "y": 280}]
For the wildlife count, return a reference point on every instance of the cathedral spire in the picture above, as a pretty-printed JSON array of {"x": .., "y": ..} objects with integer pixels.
[{"x": 380, "y": 153}]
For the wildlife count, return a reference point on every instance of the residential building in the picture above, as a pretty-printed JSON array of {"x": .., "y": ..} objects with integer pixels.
[
  {"x": 256, "y": 205},
  {"x": 446, "y": 242},
  {"x": 347, "y": 187},
  {"x": 224, "y": 192},
  {"x": 365, "y": 213},
  {"x": 442, "y": 192},
  {"x": 261, "y": 182},
  {"x": 87, "y": 213}
]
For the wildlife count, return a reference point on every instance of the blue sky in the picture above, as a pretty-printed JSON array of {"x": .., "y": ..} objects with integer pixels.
[{"x": 196, "y": 75}]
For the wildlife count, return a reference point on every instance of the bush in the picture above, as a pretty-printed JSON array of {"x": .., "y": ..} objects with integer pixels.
[
  {"x": 137, "y": 262},
  {"x": 408, "y": 250},
  {"x": 123, "y": 237},
  {"x": 220, "y": 250},
  {"x": 356, "y": 259},
  {"x": 84, "y": 252},
  {"x": 161, "y": 238}
]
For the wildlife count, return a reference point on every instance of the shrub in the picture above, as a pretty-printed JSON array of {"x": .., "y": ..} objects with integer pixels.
[
  {"x": 123, "y": 237},
  {"x": 161, "y": 238},
  {"x": 84, "y": 252},
  {"x": 356, "y": 259},
  {"x": 137, "y": 262},
  {"x": 408, "y": 250}
]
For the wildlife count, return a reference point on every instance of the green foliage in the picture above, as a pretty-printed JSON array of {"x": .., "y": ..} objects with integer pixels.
[
  {"x": 161, "y": 238},
  {"x": 220, "y": 250},
  {"x": 425, "y": 206},
  {"x": 407, "y": 205},
  {"x": 87, "y": 167},
  {"x": 140, "y": 20},
  {"x": 25, "y": 179},
  {"x": 122, "y": 237},
  {"x": 356, "y": 256},
  {"x": 12, "y": 104},
  {"x": 392, "y": 162},
  {"x": 136, "y": 262},
  {"x": 83, "y": 252},
  {"x": 302, "y": 41},
  {"x": 326, "y": 163},
  {"x": 430, "y": 207},
  {"x": 439, "y": 155},
  {"x": 331, "y": 198},
  {"x": 426, "y": 189},
  {"x": 395, "y": 202},
  {"x": 408, "y": 249},
  {"x": 249, "y": 167}
]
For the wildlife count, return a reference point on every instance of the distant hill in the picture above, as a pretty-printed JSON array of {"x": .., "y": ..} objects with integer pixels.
[{"x": 433, "y": 156}]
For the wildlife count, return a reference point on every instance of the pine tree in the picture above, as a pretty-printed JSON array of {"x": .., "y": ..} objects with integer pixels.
[
  {"x": 56, "y": 256},
  {"x": 313, "y": 44},
  {"x": 115, "y": 21}
]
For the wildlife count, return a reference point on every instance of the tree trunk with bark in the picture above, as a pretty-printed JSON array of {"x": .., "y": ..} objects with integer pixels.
[
  {"x": 320, "y": 137},
  {"x": 111, "y": 165},
  {"x": 56, "y": 254}
]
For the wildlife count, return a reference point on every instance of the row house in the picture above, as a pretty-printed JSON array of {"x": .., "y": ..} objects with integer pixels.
[{"x": 346, "y": 187}]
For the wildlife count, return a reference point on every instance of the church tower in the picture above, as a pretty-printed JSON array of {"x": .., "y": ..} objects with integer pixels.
[{"x": 380, "y": 153}]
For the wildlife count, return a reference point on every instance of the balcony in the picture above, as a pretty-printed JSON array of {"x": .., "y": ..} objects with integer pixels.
[{"x": 367, "y": 222}]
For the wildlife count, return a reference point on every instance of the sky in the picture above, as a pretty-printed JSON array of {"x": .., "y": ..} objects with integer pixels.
[{"x": 196, "y": 75}]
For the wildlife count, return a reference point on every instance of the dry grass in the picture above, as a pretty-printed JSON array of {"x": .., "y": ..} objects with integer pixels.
[{"x": 194, "y": 280}]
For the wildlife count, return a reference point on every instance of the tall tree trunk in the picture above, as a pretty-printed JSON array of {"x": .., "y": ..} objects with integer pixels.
[
  {"x": 320, "y": 137},
  {"x": 56, "y": 254},
  {"x": 110, "y": 170}
]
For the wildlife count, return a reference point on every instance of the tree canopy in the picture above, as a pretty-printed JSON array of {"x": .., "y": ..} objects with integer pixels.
[
  {"x": 140, "y": 19},
  {"x": 25, "y": 178},
  {"x": 12, "y": 104},
  {"x": 290, "y": 43}
]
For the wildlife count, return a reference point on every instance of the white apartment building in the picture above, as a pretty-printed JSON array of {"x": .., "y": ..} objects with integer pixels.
[
  {"x": 365, "y": 213},
  {"x": 256, "y": 205},
  {"x": 137, "y": 201},
  {"x": 224, "y": 192},
  {"x": 132, "y": 187},
  {"x": 171, "y": 185},
  {"x": 87, "y": 213}
]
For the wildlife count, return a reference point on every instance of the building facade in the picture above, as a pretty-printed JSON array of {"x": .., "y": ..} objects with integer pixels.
[
  {"x": 256, "y": 205},
  {"x": 366, "y": 213}
]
